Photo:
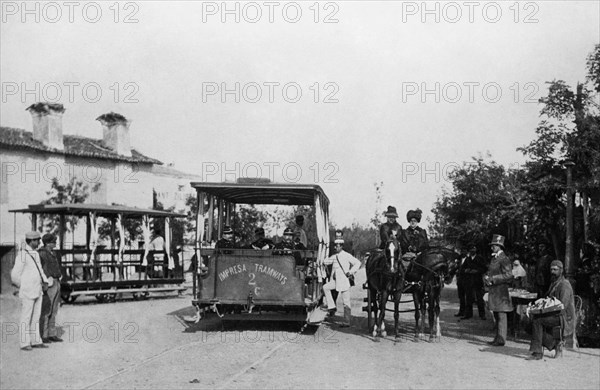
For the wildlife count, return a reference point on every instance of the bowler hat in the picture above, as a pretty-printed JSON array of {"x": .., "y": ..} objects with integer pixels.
[
  {"x": 49, "y": 238},
  {"x": 227, "y": 230},
  {"x": 259, "y": 231},
  {"x": 288, "y": 232},
  {"x": 497, "y": 239},
  {"x": 416, "y": 214},
  {"x": 32, "y": 235},
  {"x": 391, "y": 212},
  {"x": 299, "y": 219}
]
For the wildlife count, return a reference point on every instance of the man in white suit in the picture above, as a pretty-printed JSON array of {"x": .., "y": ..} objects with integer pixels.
[
  {"x": 344, "y": 265},
  {"x": 27, "y": 275}
]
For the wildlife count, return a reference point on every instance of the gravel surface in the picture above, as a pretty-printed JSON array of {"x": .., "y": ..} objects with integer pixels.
[{"x": 146, "y": 344}]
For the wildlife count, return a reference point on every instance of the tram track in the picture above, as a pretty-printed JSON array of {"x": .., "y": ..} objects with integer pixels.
[
  {"x": 141, "y": 364},
  {"x": 227, "y": 383}
]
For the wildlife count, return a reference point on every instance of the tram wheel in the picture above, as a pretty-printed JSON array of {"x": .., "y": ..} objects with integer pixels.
[
  {"x": 101, "y": 298},
  {"x": 68, "y": 298}
]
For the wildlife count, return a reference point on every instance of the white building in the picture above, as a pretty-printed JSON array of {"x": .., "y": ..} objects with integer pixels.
[{"x": 121, "y": 175}]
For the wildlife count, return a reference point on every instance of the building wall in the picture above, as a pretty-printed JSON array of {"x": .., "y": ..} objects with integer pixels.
[{"x": 26, "y": 178}]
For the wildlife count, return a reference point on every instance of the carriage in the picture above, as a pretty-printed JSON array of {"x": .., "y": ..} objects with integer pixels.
[
  {"x": 250, "y": 283},
  {"x": 108, "y": 271}
]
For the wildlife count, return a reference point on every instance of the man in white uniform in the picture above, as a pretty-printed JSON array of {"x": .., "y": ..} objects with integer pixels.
[
  {"x": 344, "y": 265},
  {"x": 28, "y": 276}
]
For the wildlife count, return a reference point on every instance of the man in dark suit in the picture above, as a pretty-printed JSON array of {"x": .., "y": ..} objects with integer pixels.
[
  {"x": 51, "y": 267},
  {"x": 498, "y": 278},
  {"x": 261, "y": 242},
  {"x": 461, "y": 282},
  {"x": 542, "y": 270},
  {"x": 473, "y": 268},
  {"x": 226, "y": 241}
]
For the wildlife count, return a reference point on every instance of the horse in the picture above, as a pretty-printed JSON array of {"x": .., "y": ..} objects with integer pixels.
[
  {"x": 385, "y": 277},
  {"x": 427, "y": 274}
]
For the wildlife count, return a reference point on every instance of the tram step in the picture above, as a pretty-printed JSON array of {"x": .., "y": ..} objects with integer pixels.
[{"x": 127, "y": 290}]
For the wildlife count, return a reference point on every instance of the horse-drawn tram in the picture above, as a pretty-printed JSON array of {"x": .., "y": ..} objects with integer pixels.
[
  {"x": 106, "y": 268},
  {"x": 257, "y": 283}
]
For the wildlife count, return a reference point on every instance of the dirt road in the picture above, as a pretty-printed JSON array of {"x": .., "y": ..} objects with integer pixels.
[{"x": 145, "y": 344}]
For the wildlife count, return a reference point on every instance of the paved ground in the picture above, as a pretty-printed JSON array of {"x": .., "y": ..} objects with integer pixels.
[{"x": 145, "y": 344}]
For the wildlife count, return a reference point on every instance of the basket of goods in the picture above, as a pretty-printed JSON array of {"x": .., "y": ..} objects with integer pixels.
[{"x": 544, "y": 305}]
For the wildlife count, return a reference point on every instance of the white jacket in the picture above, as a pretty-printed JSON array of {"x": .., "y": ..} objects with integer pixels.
[
  {"x": 348, "y": 264},
  {"x": 25, "y": 274}
]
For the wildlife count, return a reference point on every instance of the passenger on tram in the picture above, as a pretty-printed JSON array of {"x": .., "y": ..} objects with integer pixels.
[
  {"x": 226, "y": 241},
  {"x": 156, "y": 258},
  {"x": 299, "y": 232},
  {"x": 261, "y": 242},
  {"x": 287, "y": 245}
]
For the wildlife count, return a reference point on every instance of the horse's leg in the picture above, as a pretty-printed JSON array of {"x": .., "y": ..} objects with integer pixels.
[
  {"x": 397, "y": 299},
  {"x": 423, "y": 304},
  {"x": 438, "y": 333},
  {"x": 432, "y": 316},
  {"x": 416, "y": 298},
  {"x": 381, "y": 322},
  {"x": 373, "y": 308}
]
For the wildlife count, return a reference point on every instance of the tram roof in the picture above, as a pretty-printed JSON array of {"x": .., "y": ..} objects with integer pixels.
[
  {"x": 264, "y": 193},
  {"x": 103, "y": 210}
]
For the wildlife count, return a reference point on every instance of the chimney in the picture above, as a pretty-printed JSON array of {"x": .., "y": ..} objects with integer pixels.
[
  {"x": 115, "y": 130},
  {"x": 47, "y": 124}
]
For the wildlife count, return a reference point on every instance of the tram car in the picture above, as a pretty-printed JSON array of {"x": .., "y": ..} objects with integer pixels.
[
  {"x": 257, "y": 283},
  {"x": 107, "y": 271}
]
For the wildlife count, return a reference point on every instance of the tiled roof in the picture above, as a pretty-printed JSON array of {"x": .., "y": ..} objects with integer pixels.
[{"x": 74, "y": 146}]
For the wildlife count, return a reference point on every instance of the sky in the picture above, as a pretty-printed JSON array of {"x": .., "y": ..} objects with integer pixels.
[{"x": 342, "y": 94}]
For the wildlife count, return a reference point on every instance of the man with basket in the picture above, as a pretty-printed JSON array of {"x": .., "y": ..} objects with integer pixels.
[{"x": 548, "y": 319}]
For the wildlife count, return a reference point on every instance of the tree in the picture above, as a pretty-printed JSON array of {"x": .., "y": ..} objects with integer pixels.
[
  {"x": 483, "y": 201},
  {"x": 74, "y": 191},
  {"x": 569, "y": 130}
]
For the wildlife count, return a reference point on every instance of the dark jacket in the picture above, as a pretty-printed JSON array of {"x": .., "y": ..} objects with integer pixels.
[
  {"x": 563, "y": 291},
  {"x": 50, "y": 263},
  {"x": 500, "y": 272},
  {"x": 223, "y": 244},
  {"x": 262, "y": 243},
  {"x": 386, "y": 233},
  {"x": 472, "y": 269},
  {"x": 414, "y": 240},
  {"x": 542, "y": 271}
]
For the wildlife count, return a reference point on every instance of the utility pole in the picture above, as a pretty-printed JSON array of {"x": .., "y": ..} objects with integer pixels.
[{"x": 569, "y": 253}]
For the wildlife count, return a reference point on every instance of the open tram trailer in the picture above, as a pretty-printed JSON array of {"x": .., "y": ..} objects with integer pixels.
[
  {"x": 257, "y": 284},
  {"x": 106, "y": 272}
]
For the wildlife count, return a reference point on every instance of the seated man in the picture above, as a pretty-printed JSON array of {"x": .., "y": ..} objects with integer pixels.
[
  {"x": 226, "y": 241},
  {"x": 543, "y": 324},
  {"x": 261, "y": 243},
  {"x": 287, "y": 247}
]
